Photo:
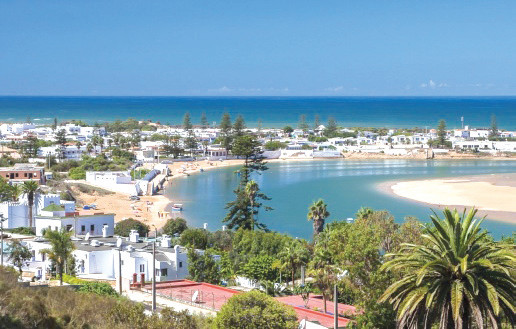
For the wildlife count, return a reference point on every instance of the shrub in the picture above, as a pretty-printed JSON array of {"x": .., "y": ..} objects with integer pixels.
[
  {"x": 99, "y": 288},
  {"x": 274, "y": 145},
  {"x": 255, "y": 310},
  {"x": 23, "y": 230},
  {"x": 124, "y": 227},
  {"x": 194, "y": 237},
  {"x": 77, "y": 173}
]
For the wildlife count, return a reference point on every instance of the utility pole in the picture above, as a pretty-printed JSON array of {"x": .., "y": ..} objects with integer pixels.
[
  {"x": 2, "y": 219},
  {"x": 120, "y": 270},
  {"x": 154, "y": 277},
  {"x": 335, "y": 308}
]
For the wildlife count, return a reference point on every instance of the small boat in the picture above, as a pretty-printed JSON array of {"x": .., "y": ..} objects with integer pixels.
[
  {"x": 177, "y": 207},
  {"x": 202, "y": 170}
]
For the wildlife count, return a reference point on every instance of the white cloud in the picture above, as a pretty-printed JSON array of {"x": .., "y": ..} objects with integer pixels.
[
  {"x": 433, "y": 85},
  {"x": 335, "y": 89}
]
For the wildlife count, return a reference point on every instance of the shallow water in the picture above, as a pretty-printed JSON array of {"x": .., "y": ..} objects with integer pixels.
[{"x": 345, "y": 185}]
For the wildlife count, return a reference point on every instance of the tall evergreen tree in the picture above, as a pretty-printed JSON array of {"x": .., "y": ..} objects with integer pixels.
[
  {"x": 317, "y": 121},
  {"x": 441, "y": 133},
  {"x": 204, "y": 121},
  {"x": 331, "y": 128},
  {"x": 493, "y": 132},
  {"x": 242, "y": 211},
  {"x": 187, "y": 122},
  {"x": 302, "y": 123},
  {"x": 225, "y": 131},
  {"x": 239, "y": 126},
  {"x": 190, "y": 141}
]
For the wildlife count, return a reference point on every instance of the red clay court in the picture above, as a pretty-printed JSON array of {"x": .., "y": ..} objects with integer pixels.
[{"x": 213, "y": 297}]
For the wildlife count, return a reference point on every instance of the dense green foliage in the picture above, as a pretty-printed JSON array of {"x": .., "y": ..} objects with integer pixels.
[
  {"x": 61, "y": 247},
  {"x": 99, "y": 288},
  {"x": 456, "y": 278},
  {"x": 128, "y": 125},
  {"x": 194, "y": 237},
  {"x": 124, "y": 227},
  {"x": 77, "y": 173},
  {"x": 174, "y": 226},
  {"x": 202, "y": 267},
  {"x": 62, "y": 308},
  {"x": 274, "y": 145},
  {"x": 255, "y": 310}
]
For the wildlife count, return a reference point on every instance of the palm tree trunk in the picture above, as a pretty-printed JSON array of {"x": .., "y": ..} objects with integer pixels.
[
  {"x": 30, "y": 199},
  {"x": 324, "y": 299}
]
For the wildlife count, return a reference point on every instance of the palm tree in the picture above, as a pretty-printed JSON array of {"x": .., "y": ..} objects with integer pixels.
[
  {"x": 323, "y": 272},
  {"x": 457, "y": 278},
  {"x": 251, "y": 189},
  {"x": 317, "y": 213},
  {"x": 30, "y": 188},
  {"x": 61, "y": 249},
  {"x": 293, "y": 255},
  {"x": 15, "y": 191}
]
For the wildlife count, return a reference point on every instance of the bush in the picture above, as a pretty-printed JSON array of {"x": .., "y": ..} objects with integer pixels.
[
  {"x": 77, "y": 173},
  {"x": 274, "y": 145},
  {"x": 99, "y": 288},
  {"x": 23, "y": 230},
  {"x": 255, "y": 310},
  {"x": 174, "y": 225},
  {"x": 124, "y": 227}
]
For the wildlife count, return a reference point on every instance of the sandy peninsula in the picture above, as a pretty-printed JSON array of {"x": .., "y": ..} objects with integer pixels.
[{"x": 493, "y": 195}]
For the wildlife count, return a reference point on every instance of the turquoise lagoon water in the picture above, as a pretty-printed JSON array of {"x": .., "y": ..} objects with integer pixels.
[
  {"x": 345, "y": 185},
  {"x": 272, "y": 111}
]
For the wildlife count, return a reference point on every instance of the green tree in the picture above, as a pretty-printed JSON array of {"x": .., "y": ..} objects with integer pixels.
[
  {"x": 61, "y": 142},
  {"x": 441, "y": 133},
  {"x": 317, "y": 121},
  {"x": 239, "y": 127},
  {"x": 331, "y": 129},
  {"x": 302, "y": 123},
  {"x": 458, "y": 278},
  {"x": 187, "y": 122},
  {"x": 288, "y": 130},
  {"x": 493, "y": 132},
  {"x": 204, "y": 121},
  {"x": 294, "y": 255},
  {"x": 202, "y": 267},
  {"x": 30, "y": 188},
  {"x": 19, "y": 254},
  {"x": 15, "y": 192},
  {"x": 364, "y": 212},
  {"x": 225, "y": 131},
  {"x": 260, "y": 268},
  {"x": 255, "y": 310},
  {"x": 61, "y": 247},
  {"x": 124, "y": 227},
  {"x": 54, "y": 124},
  {"x": 317, "y": 213},
  {"x": 174, "y": 226},
  {"x": 194, "y": 237}
]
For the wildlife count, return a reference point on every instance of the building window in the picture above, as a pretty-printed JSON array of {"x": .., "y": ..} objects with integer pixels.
[
  {"x": 180, "y": 264},
  {"x": 25, "y": 175},
  {"x": 142, "y": 268},
  {"x": 83, "y": 228},
  {"x": 164, "y": 272},
  {"x": 16, "y": 174},
  {"x": 68, "y": 228},
  {"x": 92, "y": 227}
]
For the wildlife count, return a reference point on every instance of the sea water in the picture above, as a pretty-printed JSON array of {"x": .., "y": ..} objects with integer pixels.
[{"x": 400, "y": 112}]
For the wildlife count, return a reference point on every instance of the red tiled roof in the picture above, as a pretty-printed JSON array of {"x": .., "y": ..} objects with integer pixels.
[{"x": 214, "y": 297}]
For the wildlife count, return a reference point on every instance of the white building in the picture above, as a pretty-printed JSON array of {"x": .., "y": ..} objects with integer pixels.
[{"x": 94, "y": 225}]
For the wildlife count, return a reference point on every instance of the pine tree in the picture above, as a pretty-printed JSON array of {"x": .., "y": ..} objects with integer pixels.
[
  {"x": 441, "y": 133},
  {"x": 331, "y": 129},
  {"x": 239, "y": 126},
  {"x": 317, "y": 121},
  {"x": 204, "y": 121},
  {"x": 493, "y": 132},
  {"x": 243, "y": 210},
  {"x": 225, "y": 130},
  {"x": 302, "y": 123}
]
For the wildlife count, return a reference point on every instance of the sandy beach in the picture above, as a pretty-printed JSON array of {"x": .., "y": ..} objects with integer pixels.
[{"x": 493, "y": 195}]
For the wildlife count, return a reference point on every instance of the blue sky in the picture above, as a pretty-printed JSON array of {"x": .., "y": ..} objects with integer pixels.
[{"x": 286, "y": 48}]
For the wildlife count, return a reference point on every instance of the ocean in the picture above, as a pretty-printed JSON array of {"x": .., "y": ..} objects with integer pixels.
[
  {"x": 345, "y": 185},
  {"x": 400, "y": 112}
]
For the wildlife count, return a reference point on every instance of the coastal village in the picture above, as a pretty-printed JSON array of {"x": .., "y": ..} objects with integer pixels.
[{"x": 90, "y": 180}]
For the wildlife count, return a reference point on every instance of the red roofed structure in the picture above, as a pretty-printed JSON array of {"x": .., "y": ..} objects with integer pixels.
[{"x": 209, "y": 296}]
